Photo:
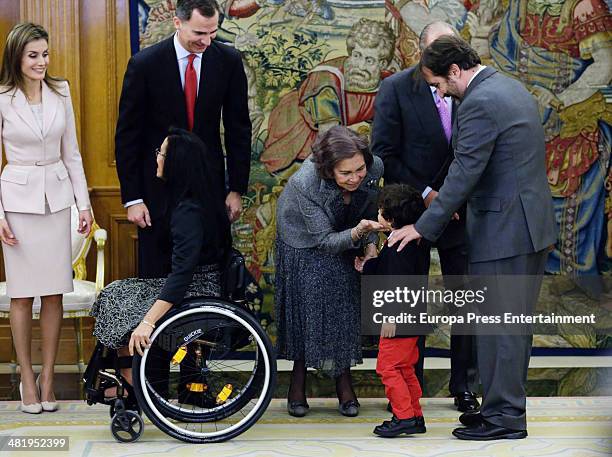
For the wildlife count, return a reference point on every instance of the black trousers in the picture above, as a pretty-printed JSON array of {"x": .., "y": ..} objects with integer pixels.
[
  {"x": 464, "y": 368},
  {"x": 155, "y": 249}
]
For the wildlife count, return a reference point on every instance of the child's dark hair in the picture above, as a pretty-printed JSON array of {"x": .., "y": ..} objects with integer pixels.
[{"x": 400, "y": 204}]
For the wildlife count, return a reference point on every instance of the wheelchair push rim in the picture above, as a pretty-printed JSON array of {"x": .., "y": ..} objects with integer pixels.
[{"x": 182, "y": 423}]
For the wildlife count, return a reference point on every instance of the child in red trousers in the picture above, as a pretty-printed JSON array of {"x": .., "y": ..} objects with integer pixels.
[{"x": 400, "y": 205}]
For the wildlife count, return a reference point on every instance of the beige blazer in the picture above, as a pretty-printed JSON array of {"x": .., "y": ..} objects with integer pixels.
[{"x": 43, "y": 163}]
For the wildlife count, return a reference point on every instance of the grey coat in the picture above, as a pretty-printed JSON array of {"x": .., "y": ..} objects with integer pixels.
[
  {"x": 499, "y": 170},
  {"x": 305, "y": 216}
]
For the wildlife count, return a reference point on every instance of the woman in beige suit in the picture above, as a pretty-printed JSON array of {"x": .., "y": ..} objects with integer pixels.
[{"x": 42, "y": 176}]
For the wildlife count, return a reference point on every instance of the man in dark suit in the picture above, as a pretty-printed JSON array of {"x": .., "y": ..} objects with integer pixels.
[
  {"x": 409, "y": 135},
  {"x": 183, "y": 81},
  {"x": 499, "y": 170}
]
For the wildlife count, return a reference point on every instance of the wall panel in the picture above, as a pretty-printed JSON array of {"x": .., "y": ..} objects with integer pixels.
[{"x": 89, "y": 46}]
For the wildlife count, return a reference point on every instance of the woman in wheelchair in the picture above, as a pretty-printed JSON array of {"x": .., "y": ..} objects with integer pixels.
[{"x": 198, "y": 364}]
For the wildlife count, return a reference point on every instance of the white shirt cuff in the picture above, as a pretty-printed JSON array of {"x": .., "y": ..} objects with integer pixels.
[
  {"x": 140, "y": 200},
  {"x": 424, "y": 194}
]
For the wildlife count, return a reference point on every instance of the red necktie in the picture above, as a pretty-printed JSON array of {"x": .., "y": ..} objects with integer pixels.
[{"x": 191, "y": 90}]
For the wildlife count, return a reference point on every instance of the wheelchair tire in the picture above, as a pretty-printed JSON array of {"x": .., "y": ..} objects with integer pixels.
[{"x": 255, "y": 394}]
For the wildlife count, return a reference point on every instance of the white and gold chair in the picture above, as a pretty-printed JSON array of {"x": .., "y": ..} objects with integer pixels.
[{"x": 77, "y": 303}]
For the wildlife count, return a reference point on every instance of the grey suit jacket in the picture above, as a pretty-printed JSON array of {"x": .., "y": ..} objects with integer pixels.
[
  {"x": 305, "y": 216},
  {"x": 499, "y": 170}
]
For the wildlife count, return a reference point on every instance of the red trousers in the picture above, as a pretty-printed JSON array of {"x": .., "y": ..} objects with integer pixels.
[{"x": 395, "y": 365}]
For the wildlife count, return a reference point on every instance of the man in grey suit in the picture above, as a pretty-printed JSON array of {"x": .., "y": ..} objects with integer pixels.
[{"x": 499, "y": 171}]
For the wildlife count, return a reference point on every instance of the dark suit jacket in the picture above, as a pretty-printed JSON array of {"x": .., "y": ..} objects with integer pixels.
[
  {"x": 408, "y": 136},
  {"x": 152, "y": 100},
  {"x": 412, "y": 260},
  {"x": 499, "y": 170},
  {"x": 198, "y": 238}
]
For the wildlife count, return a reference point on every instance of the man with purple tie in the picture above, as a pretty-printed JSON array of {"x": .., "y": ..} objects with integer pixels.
[{"x": 411, "y": 133}]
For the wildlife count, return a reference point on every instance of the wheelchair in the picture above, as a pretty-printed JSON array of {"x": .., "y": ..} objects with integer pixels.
[{"x": 208, "y": 375}]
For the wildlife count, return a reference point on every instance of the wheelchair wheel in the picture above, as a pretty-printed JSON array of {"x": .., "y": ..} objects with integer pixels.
[
  {"x": 209, "y": 374},
  {"x": 127, "y": 426}
]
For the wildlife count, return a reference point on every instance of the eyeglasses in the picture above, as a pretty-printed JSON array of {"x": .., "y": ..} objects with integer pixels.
[{"x": 159, "y": 153}]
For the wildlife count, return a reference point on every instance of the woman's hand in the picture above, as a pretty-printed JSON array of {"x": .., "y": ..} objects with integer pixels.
[
  {"x": 140, "y": 338},
  {"x": 6, "y": 235},
  {"x": 365, "y": 226},
  {"x": 85, "y": 222},
  {"x": 370, "y": 252}
]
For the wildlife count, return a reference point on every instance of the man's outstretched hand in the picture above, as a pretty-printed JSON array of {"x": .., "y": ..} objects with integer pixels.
[{"x": 404, "y": 235}]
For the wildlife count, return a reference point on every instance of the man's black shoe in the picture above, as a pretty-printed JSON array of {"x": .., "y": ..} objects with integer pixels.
[
  {"x": 396, "y": 427},
  {"x": 466, "y": 401},
  {"x": 471, "y": 418},
  {"x": 486, "y": 431}
]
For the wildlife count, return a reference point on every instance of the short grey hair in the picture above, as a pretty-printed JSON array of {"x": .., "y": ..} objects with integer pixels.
[{"x": 437, "y": 25}]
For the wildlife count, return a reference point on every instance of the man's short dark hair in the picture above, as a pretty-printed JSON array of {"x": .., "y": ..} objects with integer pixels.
[
  {"x": 400, "y": 204},
  {"x": 336, "y": 144},
  {"x": 448, "y": 50},
  {"x": 207, "y": 8}
]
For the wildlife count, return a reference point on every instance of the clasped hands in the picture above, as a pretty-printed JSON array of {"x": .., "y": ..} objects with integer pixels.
[{"x": 364, "y": 227}]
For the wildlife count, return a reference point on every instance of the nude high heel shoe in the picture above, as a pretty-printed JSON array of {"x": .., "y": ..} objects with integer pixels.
[
  {"x": 34, "y": 408},
  {"x": 48, "y": 406}
]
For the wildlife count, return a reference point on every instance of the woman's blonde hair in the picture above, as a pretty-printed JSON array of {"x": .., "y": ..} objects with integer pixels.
[{"x": 11, "y": 76}]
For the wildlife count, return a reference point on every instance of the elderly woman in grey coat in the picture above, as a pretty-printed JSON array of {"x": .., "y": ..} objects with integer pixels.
[{"x": 324, "y": 220}]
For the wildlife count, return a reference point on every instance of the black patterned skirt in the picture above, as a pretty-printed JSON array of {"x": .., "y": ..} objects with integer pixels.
[
  {"x": 317, "y": 308},
  {"x": 122, "y": 304}
]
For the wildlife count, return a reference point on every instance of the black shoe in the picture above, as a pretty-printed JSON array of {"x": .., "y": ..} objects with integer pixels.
[
  {"x": 396, "y": 427},
  {"x": 349, "y": 408},
  {"x": 466, "y": 401},
  {"x": 297, "y": 408},
  {"x": 420, "y": 419},
  {"x": 486, "y": 431},
  {"x": 471, "y": 418}
]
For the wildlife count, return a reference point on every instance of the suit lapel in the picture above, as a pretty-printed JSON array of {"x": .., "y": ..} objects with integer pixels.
[
  {"x": 484, "y": 74},
  {"x": 430, "y": 119},
  {"x": 209, "y": 73},
  {"x": 50, "y": 104},
  {"x": 173, "y": 87},
  {"x": 24, "y": 111}
]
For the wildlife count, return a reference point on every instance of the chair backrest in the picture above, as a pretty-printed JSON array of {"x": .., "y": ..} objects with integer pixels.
[{"x": 80, "y": 244}]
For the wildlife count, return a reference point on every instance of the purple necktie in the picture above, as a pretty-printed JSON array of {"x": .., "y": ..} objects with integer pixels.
[{"x": 444, "y": 117}]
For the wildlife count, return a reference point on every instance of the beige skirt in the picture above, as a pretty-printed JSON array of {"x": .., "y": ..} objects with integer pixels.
[{"x": 40, "y": 264}]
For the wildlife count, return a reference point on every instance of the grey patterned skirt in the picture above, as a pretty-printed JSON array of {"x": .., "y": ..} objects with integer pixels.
[
  {"x": 122, "y": 304},
  {"x": 317, "y": 308}
]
